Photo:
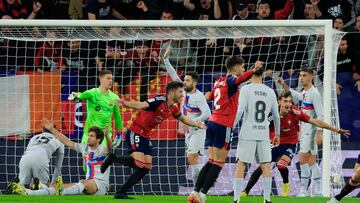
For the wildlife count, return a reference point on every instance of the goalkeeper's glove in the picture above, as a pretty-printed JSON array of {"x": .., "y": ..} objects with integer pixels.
[
  {"x": 117, "y": 140},
  {"x": 73, "y": 96}
]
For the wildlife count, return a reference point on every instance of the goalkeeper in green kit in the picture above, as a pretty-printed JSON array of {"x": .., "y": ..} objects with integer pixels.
[{"x": 101, "y": 107}]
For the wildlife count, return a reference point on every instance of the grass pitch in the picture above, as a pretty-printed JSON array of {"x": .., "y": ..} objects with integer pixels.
[{"x": 157, "y": 199}]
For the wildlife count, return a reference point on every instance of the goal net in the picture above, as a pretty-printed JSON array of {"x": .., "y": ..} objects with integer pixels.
[{"x": 42, "y": 62}]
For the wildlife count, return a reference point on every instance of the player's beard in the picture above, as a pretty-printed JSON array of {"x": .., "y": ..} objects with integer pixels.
[{"x": 189, "y": 89}]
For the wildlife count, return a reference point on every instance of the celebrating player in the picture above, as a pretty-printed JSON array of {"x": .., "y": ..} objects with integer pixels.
[
  {"x": 196, "y": 108},
  {"x": 100, "y": 106},
  {"x": 256, "y": 102},
  {"x": 152, "y": 112},
  {"x": 282, "y": 155},
  {"x": 311, "y": 104},
  {"x": 353, "y": 183},
  {"x": 94, "y": 153},
  {"x": 225, "y": 95},
  {"x": 34, "y": 164}
]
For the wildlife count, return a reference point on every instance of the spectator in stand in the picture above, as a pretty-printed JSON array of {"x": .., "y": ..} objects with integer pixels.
[
  {"x": 76, "y": 55},
  {"x": 166, "y": 15},
  {"x": 51, "y": 9},
  {"x": 152, "y": 10},
  {"x": 242, "y": 11},
  {"x": 101, "y": 9},
  {"x": 14, "y": 9},
  {"x": 336, "y": 8},
  {"x": 338, "y": 23},
  {"x": 354, "y": 35},
  {"x": 347, "y": 61},
  {"x": 264, "y": 10},
  {"x": 76, "y": 9},
  {"x": 208, "y": 7},
  {"x": 49, "y": 56}
]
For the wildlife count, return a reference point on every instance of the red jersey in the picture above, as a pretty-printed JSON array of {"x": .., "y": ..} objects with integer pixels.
[
  {"x": 226, "y": 98},
  {"x": 289, "y": 129},
  {"x": 147, "y": 119},
  {"x": 53, "y": 53}
]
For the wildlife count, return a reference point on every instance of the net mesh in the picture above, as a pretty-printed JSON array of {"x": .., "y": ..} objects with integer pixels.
[{"x": 48, "y": 63}]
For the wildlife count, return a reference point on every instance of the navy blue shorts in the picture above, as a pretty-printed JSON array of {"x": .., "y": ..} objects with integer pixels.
[
  {"x": 138, "y": 143},
  {"x": 218, "y": 136},
  {"x": 283, "y": 149},
  {"x": 358, "y": 160}
]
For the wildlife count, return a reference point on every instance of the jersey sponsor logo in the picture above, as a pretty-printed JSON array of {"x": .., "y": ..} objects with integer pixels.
[{"x": 111, "y": 103}]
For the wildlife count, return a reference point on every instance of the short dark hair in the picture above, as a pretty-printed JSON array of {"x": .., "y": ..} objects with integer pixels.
[
  {"x": 307, "y": 70},
  {"x": 259, "y": 72},
  {"x": 194, "y": 75},
  {"x": 99, "y": 133},
  {"x": 142, "y": 42},
  {"x": 264, "y": 2},
  {"x": 174, "y": 85},
  {"x": 104, "y": 72},
  {"x": 233, "y": 61},
  {"x": 284, "y": 94}
]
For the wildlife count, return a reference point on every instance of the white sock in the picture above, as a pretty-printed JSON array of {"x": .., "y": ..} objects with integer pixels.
[
  {"x": 46, "y": 191},
  {"x": 76, "y": 189},
  {"x": 237, "y": 188},
  {"x": 266, "y": 184},
  {"x": 305, "y": 177},
  {"x": 202, "y": 196},
  {"x": 195, "y": 170},
  {"x": 316, "y": 177},
  {"x": 43, "y": 186}
]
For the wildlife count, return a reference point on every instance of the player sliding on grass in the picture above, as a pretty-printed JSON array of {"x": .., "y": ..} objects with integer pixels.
[
  {"x": 225, "y": 95},
  {"x": 290, "y": 117},
  {"x": 93, "y": 152},
  {"x": 152, "y": 112},
  {"x": 353, "y": 183}
]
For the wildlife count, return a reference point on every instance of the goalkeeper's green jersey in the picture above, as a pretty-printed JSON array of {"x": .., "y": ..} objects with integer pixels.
[{"x": 100, "y": 109}]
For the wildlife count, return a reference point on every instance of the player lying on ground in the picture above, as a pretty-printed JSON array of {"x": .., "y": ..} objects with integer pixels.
[
  {"x": 152, "y": 112},
  {"x": 310, "y": 136},
  {"x": 96, "y": 183},
  {"x": 34, "y": 164},
  {"x": 195, "y": 107},
  {"x": 100, "y": 106},
  {"x": 225, "y": 94},
  {"x": 282, "y": 155},
  {"x": 353, "y": 183},
  {"x": 256, "y": 102}
]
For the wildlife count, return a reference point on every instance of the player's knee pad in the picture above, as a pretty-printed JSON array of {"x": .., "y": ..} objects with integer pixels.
[{"x": 282, "y": 164}]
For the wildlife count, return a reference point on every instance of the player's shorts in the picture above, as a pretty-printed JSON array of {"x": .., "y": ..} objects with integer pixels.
[
  {"x": 34, "y": 165},
  {"x": 102, "y": 187},
  {"x": 138, "y": 143},
  {"x": 218, "y": 136},
  {"x": 283, "y": 149},
  {"x": 308, "y": 143},
  {"x": 358, "y": 159},
  {"x": 195, "y": 141},
  {"x": 247, "y": 150}
]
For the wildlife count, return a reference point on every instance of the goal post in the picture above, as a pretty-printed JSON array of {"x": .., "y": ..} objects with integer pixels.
[{"x": 86, "y": 30}]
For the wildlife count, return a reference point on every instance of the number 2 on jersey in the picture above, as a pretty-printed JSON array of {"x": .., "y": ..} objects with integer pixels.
[{"x": 217, "y": 98}]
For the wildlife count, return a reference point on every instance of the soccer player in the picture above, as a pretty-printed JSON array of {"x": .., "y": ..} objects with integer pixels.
[
  {"x": 93, "y": 152},
  {"x": 152, "y": 112},
  {"x": 100, "y": 106},
  {"x": 353, "y": 183},
  {"x": 256, "y": 102},
  {"x": 283, "y": 154},
  {"x": 35, "y": 161},
  {"x": 195, "y": 107},
  {"x": 225, "y": 95},
  {"x": 311, "y": 104}
]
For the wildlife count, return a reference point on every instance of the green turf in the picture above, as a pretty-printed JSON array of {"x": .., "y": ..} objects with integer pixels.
[{"x": 155, "y": 199}]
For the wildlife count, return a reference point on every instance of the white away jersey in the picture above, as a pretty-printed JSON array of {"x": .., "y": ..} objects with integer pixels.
[
  {"x": 256, "y": 102},
  {"x": 44, "y": 142},
  {"x": 93, "y": 159}
]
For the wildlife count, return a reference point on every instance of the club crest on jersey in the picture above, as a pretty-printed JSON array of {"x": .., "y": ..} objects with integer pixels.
[{"x": 111, "y": 103}]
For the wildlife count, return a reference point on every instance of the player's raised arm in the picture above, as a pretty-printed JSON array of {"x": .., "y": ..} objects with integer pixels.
[
  {"x": 186, "y": 120},
  {"x": 108, "y": 139},
  {"x": 61, "y": 137},
  {"x": 169, "y": 68},
  {"x": 81, "y": 96},
  {"x": 132, "y": 104},
  {"x": 325, "y": 125}
]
